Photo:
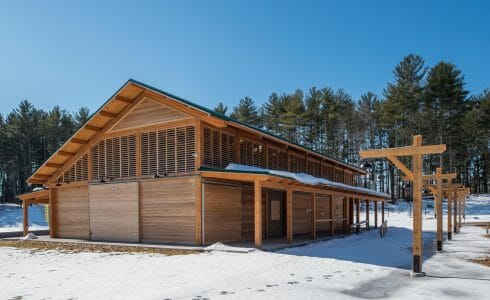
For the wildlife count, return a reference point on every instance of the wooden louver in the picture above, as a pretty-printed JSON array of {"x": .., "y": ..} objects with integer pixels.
[
  {"x": 168, "y": 151},
  {"x": 219, "y": 148},
  {"x": 114, "y": 158},
  {"x": 252, "y": 153},
  {"x": 77, "y": 172}
]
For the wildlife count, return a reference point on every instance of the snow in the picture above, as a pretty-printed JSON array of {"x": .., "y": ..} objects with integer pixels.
[
  {"x": 358, "y": 266},
  {"x": 304, "y": 178},
  {"x": 11, "y": 217},
  {"x": 30, "y": 236}
]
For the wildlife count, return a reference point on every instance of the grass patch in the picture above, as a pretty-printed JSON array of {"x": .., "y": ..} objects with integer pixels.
[
  {"x": 483, "y": 261},
  {"x": 67, "y": 247}
]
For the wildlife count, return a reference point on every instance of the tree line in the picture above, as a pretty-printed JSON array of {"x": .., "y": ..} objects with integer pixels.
[{"x": 431, "y": 101}]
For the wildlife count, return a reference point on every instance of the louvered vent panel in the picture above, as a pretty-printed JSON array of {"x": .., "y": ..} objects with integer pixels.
[
  {"x": 190, "y": 148},
  {"x": 109, "y": 158},
  {"x": 162, "y": 152},
  {"x": 282, "y": 160},
  {"x": 124, "y": 157},
  {"x": 293, "y": 163},
  {"x": 272, "y": 158},
  {"x": 181, "y": 153},
  {"x": 153, "y": 153},
  {"x": 131, "y": 155},
  {"x": 145, "y": 149},
  {"x": 171, "y": 154},
  {"x": 116, "y": 156},
  {"x": 225, "y": 152},
  {"x": 215, "y": 148},
  {"x": 232, "y": 148},
  {"x": 95, "y": 161},
  {"x": 208, "y": 156}
]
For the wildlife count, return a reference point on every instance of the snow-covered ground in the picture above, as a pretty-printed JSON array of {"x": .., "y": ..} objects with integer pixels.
[
  {"x": 11, "y": 217},
  {"x": 358, "y": 266}
]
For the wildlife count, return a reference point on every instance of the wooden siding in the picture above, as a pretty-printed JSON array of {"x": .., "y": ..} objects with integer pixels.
[
  {"x": 301, "y": 213},
  {"x": 149, "y": 112},
  {"x": 167, "y": 210},
  {"x": 114, "y": 212},
  {"x": 338, "y": 213},
  {"x": 322, "y": 213},
  {"x": 222, "y": 213},
  {"x": 72, "y": 212},
  {"x": 248, "y": 228}
]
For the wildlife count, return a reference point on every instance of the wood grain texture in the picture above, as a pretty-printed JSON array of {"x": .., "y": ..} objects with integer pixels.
[
  {"x": 114, "y": 212},
  {"x": 222, "y": 213},
  {"x": 168, "y": 210},
  {"x": 301, "y": 215},
  {"x": 72, "y": 212},
  {"x": 147, "y": 113}
]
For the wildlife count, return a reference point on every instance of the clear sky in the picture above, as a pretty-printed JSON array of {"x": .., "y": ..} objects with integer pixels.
[{"x": 77, "y": 53}]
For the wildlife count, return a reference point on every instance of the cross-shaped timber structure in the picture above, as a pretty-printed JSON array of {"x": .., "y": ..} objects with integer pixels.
[{"x": 416, "y": 151}]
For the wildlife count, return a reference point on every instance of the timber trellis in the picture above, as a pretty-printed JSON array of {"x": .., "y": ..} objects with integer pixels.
[{"x": 416, "y": 152}]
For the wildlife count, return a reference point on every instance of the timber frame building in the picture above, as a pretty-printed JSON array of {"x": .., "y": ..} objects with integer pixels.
[{"x": 151, "y": 167}]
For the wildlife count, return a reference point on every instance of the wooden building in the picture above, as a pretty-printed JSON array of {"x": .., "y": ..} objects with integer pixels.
[{"x": 149, "y": 166}]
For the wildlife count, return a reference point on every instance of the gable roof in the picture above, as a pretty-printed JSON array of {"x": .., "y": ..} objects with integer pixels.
[{"x": 120, "y": 103}]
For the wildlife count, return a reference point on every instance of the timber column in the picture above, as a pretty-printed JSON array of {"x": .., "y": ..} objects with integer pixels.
[
  {"x": 449, "y": 212},
  {"x": 258, "y": 213},
  {"x": 375, "y": 214},
  {"x": 439, "y": 209},
  {"x": 455, "y": 213},
  {"x": 25, "y": 217},
  {"x": 417, "y": 209}
]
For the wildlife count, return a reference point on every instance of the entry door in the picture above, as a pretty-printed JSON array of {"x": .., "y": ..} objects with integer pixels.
[{"x": 275, "y": 217}]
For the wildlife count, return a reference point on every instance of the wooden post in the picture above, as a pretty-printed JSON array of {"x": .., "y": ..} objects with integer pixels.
[
  {"x": 455, "y": 213},
  {"x": 439, "y": 209},
  {"x": 382, "y": 212},
  {"x": 460, "y": 212},
  {"x": 313, "y": 216},
  {"x": 289, "y": 215},
  {"x": 358, "y": 214},
  {"x": 449, "y": 212},
  {"x": 258, "y": 213},
  {"x": 331, "y": 216},
  {"x": 346, "y": 215},
  {"x": 417, "y": 209},
  {"x": 52, "y": 212},
  {"x": 198, "y": 228},
  {"x": 367, "y": 214},
  {"x": 375, "y": 214},
  {"x": 25, "y": 217}
]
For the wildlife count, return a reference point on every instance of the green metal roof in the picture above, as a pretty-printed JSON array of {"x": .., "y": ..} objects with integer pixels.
[{"x": 227, "y": 118}]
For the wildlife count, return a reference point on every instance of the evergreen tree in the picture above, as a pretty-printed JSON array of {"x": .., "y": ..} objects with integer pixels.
[
  {"x": 246, "y": 112},
  {"x": 221, "y": 108}
]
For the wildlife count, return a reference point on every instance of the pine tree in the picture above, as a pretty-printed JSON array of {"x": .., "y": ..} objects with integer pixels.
[
  {"x": 246, "y": 112},
  {"x": 221, "y": 108}
]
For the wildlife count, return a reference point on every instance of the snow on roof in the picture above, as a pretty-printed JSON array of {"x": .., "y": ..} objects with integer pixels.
[{"x": 305, "y": 178}]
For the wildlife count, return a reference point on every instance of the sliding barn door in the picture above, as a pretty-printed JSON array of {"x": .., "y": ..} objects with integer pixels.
[{"x": 114, "y": 212}]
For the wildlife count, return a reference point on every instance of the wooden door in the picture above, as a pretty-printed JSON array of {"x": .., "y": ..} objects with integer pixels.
[{"x": 276, "y": 218}]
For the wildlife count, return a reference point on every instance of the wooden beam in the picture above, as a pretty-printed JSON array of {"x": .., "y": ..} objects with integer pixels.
[
  {"x": 93, "y": 128},
  {"x": 367, "y": 214},
  {"x": 358, "y": 214},
  {"x": 52, "y": 212},
  {"x": 25, "y": 218},
  {"x": 417, "y": 207},
  {"x": 53, "y": 165},
  {"x": 65, "y": 153},
  {"x": 403, "y": 151},
  {"x": 198, "y": 207},
  {"x": 123, "y": 99},
  {"x": 445, "y": 176},
  {"x": 439, "y": 234},
  {"x": 331, "y": 216},
  {"x": 375, "y": 214},
  {"x": 313, "y": 216},
  {"x": 41, "y": 176},
  {"x": 455, "y": 213},
  {"x": 289, "y": 215},
  {"x": 107, "y": 114},
  {"x": 401, "y": 166},
  {"x": 78, "y": 141},
  {"x": 450, "y": 195},
  {"x": 258, "y": 213}
]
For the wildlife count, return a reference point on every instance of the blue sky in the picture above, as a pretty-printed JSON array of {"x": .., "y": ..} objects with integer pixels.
[{"x": 77, "y": 53}]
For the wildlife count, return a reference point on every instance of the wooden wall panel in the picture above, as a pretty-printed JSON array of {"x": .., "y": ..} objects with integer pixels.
[
  {"x": 114, "y": 212},
  {"x": 222, "y": 213},
  {"x": 338, "y": 206},
  {"x": 72, "y": 212},
  {"x": 248, "y": 214},
  {"x": 322, "y": 213},
  {"x": 168, "y": 210},
  {"x": 301, "y": 213},
  {"x": 149, "y": 112}
]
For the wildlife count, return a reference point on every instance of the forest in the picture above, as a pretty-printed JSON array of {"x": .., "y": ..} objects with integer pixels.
[{"x": 428, "y": 100}]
